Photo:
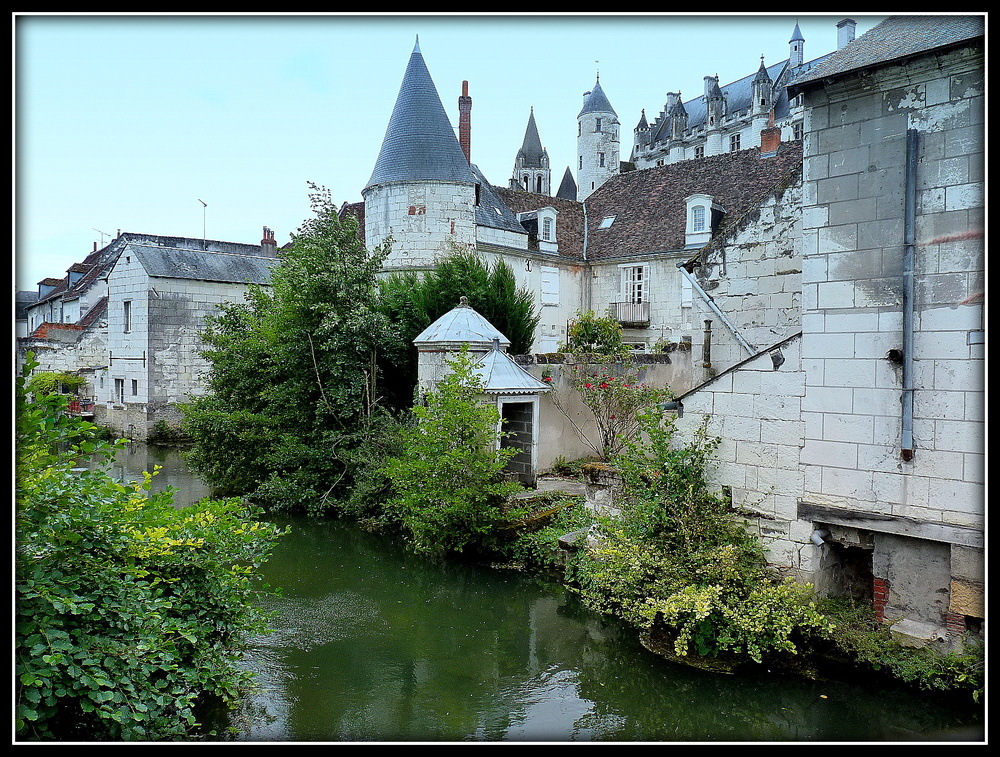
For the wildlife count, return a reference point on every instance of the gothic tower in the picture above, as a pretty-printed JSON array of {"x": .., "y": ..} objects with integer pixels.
[
  {"x": 422, "y": 191},
  {"x": 531, "y": 166},
  {"x": 597, "y": 142}
]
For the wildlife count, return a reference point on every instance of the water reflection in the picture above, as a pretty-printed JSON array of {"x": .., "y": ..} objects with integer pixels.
[{"x": 373, "y": 644}]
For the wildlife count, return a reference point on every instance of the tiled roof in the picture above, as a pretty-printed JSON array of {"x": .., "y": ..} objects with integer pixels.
[
  {"x": 596, "y": 102},
  {"x": 569, "y": 217},
  {"x": 649, "y": 207},
  {"x": 896, "y": 38}
]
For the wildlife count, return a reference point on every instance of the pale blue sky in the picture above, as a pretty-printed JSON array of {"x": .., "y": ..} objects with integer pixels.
[{"x": 130, "y": 122}]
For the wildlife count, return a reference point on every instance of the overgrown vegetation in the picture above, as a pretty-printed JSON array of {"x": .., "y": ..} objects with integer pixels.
[
  {"x": 678, "y": 562},
  {"x": 294, "y": 394},
  {"x": 864, "y": 642},
  {"x": 129, "y": 612},
  {"x": 593, "y": 334},
  {"x": 449, "y": 492}
]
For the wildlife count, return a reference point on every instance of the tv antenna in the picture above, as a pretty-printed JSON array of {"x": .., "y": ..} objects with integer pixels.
[{"x": 204, "y": 206}]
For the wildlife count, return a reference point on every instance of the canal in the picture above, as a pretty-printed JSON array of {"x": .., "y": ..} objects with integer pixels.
[{"x": 371, "y": 643}]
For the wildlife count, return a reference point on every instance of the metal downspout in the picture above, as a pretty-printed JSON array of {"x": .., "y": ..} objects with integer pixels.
[
  {"x": 715, "y": 309},
  {"x": 909, "y": 251},
  {"x": 588, "y": 274}
]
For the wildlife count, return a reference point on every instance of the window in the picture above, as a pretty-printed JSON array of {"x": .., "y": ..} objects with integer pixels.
[
  {"x": 600, "y": 159},
  {"x": 547, "y": 229},
  {"x": 634, "y": 284},
  {"x": 119, "y": 391},
  {"x": 549, "y": 285},
  {"x": 698, "y": 218},
  {"x": 581, "y": 162},
  {"x": 606, "y": 223},
  {"x": 135, "y": 388},
  {"x": 699, "y": 151},
  {"x": 597, "y": 127},
  {"x": 734, "y": 142},
  {"x": 127, "y": 313},
  {"x": 797, "y": 130}
]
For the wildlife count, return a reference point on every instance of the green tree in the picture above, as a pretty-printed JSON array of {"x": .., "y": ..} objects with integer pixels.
[
  {"x": 129, "y": 611},
  {"x": 413, "y": 301},
  {"x": 295, "y": 381},
  {"x": 448, "y": 480}
]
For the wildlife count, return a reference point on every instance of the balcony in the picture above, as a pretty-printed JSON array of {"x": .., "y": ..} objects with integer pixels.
[{"x": 634, "y": 314}]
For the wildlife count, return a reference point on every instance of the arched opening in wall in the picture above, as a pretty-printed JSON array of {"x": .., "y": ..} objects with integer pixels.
[
  {"x": 538, "y": 185},
  {"x": 518, "y": 425}
]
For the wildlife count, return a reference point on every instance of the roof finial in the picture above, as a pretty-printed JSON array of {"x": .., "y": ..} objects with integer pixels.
[
  {"x": 463, "y": 301},
  {"x": 416, "y": 45}
]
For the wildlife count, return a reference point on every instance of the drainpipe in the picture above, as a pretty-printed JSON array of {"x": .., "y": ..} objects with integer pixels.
[
  {"x": 715, "y": 309},
  {"x": 588, "y": 274},
  {"x": 909, "y": 247}
]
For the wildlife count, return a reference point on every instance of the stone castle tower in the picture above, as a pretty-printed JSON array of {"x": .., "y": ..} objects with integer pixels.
[
  {"x": 532, "y": 172},
  {"x": 422, "y": 191},
  {"x": 597, "y": 142}
]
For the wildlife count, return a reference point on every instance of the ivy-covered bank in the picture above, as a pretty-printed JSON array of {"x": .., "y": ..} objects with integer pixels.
[{"x": 129, "y": 612}]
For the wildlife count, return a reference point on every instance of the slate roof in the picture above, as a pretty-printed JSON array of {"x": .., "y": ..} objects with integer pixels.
[
  {"x": 596, "y": 101},
  {"x": 249, "y": 267},
  {"x": 461, "y": 324},
  {"x": 893, "y": 40},
  {"x": 493, "y": 210},
  {"x": 532, "y": 153},
  {"x": 420, "y": 143},
  {"x": 649, "y": 205},
  {"x": 501, "y": 375}
]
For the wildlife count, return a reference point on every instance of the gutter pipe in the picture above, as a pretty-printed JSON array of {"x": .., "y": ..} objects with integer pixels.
[{"x": 909, "y": 252}]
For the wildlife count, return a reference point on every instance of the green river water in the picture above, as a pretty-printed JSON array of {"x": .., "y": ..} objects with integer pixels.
[{"x": 372, "y": 644}]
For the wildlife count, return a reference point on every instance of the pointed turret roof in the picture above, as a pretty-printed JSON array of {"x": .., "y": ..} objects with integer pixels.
[
  {"x": 596, "y": 101},
  {"x": 420, "y": 143},
  {"x": 531, "y": 151},
  {"x": 567, "y": 188},
  {"x": 499, "y": 374},
  {"x": 460, "y": 325},
  {"x": 796, "y": 34}
]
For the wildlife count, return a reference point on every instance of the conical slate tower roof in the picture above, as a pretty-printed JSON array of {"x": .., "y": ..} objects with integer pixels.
[
  {"x": 597, "y": 102},
  {"x": 531, "y": 152},
  {"x": 461, "y": 324},
  {"x": 420, "y": 143}
]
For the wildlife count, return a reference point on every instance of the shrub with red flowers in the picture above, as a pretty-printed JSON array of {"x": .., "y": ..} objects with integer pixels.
[{"x": 615, "y": 395}]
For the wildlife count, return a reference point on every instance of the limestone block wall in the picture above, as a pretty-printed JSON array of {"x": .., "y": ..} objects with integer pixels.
[
  {"x": 424, "y": 220},
  {"x": 755, "y": 409},
  {"x": 852, "y": 292}
]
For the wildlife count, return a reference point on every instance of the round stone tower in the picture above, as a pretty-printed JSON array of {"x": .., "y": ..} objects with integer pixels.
[{"x": 422, "y": 191}]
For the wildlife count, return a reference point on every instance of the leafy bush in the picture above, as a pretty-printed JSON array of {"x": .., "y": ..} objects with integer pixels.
[
  {"x": 592, "y": 334},
  {"x": 448, "y": 484},
  {"x": 129, "y": 611},
  {"x": 679, "y": 561}
]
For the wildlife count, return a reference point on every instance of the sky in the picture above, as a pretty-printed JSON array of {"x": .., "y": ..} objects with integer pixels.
[{"x": 215, "y": 125}]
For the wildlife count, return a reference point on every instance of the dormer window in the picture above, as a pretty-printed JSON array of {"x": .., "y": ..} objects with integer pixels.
[
  {"x": 703, "y": 216},
  {"x": 547, "y": 226}
]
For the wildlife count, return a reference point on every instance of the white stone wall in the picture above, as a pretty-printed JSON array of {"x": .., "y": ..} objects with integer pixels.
[
  {"x": 424, "y": 220},
  {"x": 852, "y": 293},
  {"x": 756, "y": 411},
  {"x": 592, "y": 143}
]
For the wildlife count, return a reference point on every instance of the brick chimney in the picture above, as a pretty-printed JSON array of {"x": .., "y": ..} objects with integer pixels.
[
  {"x": 268, "y": 244},
  {"x": 465, "y": 121},
  {"x": 770, "y": 138}
]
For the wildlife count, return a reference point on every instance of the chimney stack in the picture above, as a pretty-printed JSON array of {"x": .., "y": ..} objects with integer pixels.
[
  {"x": 465, "y": 121},
  {"x": 845, "y": 32},
  {"x": 770, "y": 138},
  {"x": 268, "y": 245}
]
